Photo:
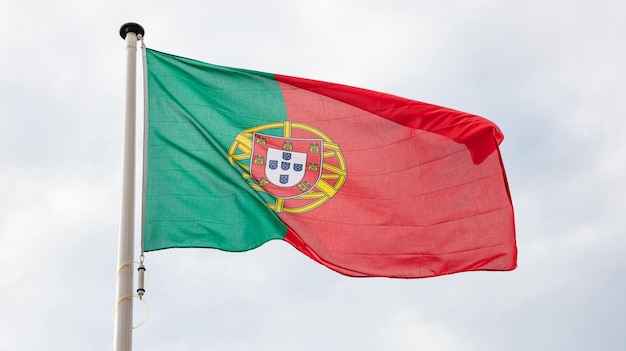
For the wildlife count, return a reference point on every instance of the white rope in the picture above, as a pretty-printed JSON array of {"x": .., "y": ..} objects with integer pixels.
[
  {"x": 145, "y": 317},
  {"x": 119, "y": 269},
  {"x": 117, "y": 303}
]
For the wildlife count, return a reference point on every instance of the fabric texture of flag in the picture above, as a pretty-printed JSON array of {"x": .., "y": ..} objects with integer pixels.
[{"x": 365, "y": 183}]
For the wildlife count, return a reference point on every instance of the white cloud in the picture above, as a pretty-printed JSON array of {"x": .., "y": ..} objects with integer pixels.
[{"x": 404, "y": 332}]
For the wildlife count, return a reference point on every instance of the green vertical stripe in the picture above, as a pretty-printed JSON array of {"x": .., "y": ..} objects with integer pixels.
[{"x": 194, "y": 197}]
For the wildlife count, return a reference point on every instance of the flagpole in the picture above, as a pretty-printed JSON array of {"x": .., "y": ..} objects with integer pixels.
[{"x": 131, "y": 33}]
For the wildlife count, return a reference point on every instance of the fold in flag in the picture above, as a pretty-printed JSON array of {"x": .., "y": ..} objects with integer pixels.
[{"x": 365, "y": 183}]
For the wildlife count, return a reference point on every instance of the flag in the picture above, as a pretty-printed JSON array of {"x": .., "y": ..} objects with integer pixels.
[{"x": 365, "y": 183}]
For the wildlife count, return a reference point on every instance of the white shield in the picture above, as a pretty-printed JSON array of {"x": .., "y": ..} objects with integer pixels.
[{"x": 285, "y": 168}]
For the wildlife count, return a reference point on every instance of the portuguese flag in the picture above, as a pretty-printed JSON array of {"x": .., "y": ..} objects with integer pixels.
[{"x": 365, "y": 183}]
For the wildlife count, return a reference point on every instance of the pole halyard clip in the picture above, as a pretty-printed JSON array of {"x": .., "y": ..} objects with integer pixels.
[{"x": 141, "y": 270}]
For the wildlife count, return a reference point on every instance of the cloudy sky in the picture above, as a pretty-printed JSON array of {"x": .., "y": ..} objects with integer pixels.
[{"x": 551, "y": 74}]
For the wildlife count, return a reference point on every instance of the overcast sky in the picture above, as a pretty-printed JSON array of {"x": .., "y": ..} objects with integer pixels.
[{"x": 551, "y": 74}]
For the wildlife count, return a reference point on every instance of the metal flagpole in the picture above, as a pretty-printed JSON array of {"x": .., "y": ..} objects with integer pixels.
[{"x": 131, "y": 33}]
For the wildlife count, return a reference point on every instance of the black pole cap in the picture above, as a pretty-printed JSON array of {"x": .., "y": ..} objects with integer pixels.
[{"x": 131, "y": 27}]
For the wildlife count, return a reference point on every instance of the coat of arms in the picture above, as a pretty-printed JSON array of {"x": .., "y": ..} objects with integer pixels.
[{"x": 294, "y": 166}]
